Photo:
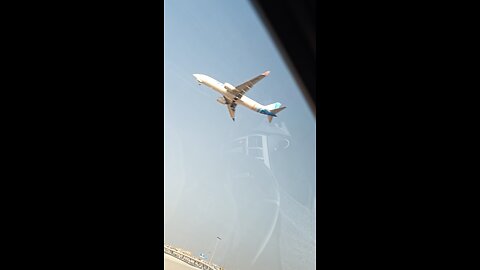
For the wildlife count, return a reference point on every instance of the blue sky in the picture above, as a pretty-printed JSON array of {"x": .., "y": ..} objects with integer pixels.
[{"x": 264, "y": 214}]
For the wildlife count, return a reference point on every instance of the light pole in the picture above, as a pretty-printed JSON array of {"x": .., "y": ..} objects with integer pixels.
[{"x": 216, "y": 244}]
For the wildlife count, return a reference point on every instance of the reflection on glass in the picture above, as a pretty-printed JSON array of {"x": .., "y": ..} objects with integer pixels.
[{"x": 287, "y": 222}]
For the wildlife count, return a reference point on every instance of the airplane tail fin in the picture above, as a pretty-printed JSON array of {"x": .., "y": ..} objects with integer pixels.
[{"x": 274, "y": 108}]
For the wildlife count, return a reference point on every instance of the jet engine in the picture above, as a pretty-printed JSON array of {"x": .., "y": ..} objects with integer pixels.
[
  {"x": 228, "y": 86},
  {"x": 221, "y": 100}
]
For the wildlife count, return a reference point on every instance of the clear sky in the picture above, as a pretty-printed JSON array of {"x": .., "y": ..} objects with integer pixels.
[{"x": 258, "y": 196}]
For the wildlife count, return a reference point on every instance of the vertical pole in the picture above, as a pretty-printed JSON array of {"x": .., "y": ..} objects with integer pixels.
[{"x": 216, "y": 244}]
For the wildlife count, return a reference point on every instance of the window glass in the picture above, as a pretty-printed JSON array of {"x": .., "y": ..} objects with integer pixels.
[{"x": 241, "y": 193}]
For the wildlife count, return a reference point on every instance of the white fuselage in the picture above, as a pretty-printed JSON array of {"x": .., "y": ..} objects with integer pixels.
[{"x": 220, "y": 88}]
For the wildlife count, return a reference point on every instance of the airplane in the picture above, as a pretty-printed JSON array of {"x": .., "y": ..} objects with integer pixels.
[{"x": 231, "y": 96}]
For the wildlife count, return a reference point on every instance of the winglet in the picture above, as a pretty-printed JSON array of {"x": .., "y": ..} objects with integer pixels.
[{"x": 266, "y": 73}]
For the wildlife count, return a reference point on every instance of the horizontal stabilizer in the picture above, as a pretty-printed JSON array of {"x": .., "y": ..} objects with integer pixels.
[{"x": 274, "y": 111}]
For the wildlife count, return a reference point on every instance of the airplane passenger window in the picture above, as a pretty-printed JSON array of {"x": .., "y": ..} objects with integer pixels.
[{"x": 240, "y": 189}]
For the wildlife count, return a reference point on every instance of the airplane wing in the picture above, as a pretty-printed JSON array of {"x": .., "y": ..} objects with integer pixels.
[
  {"x": 231, "y": 105},
  {"x": 241, "y": 89},
  {"x": 231, "y": 109}
]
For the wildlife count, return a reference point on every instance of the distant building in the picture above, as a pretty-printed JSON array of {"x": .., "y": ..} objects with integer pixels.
[{"x": 186, "y": 256}]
